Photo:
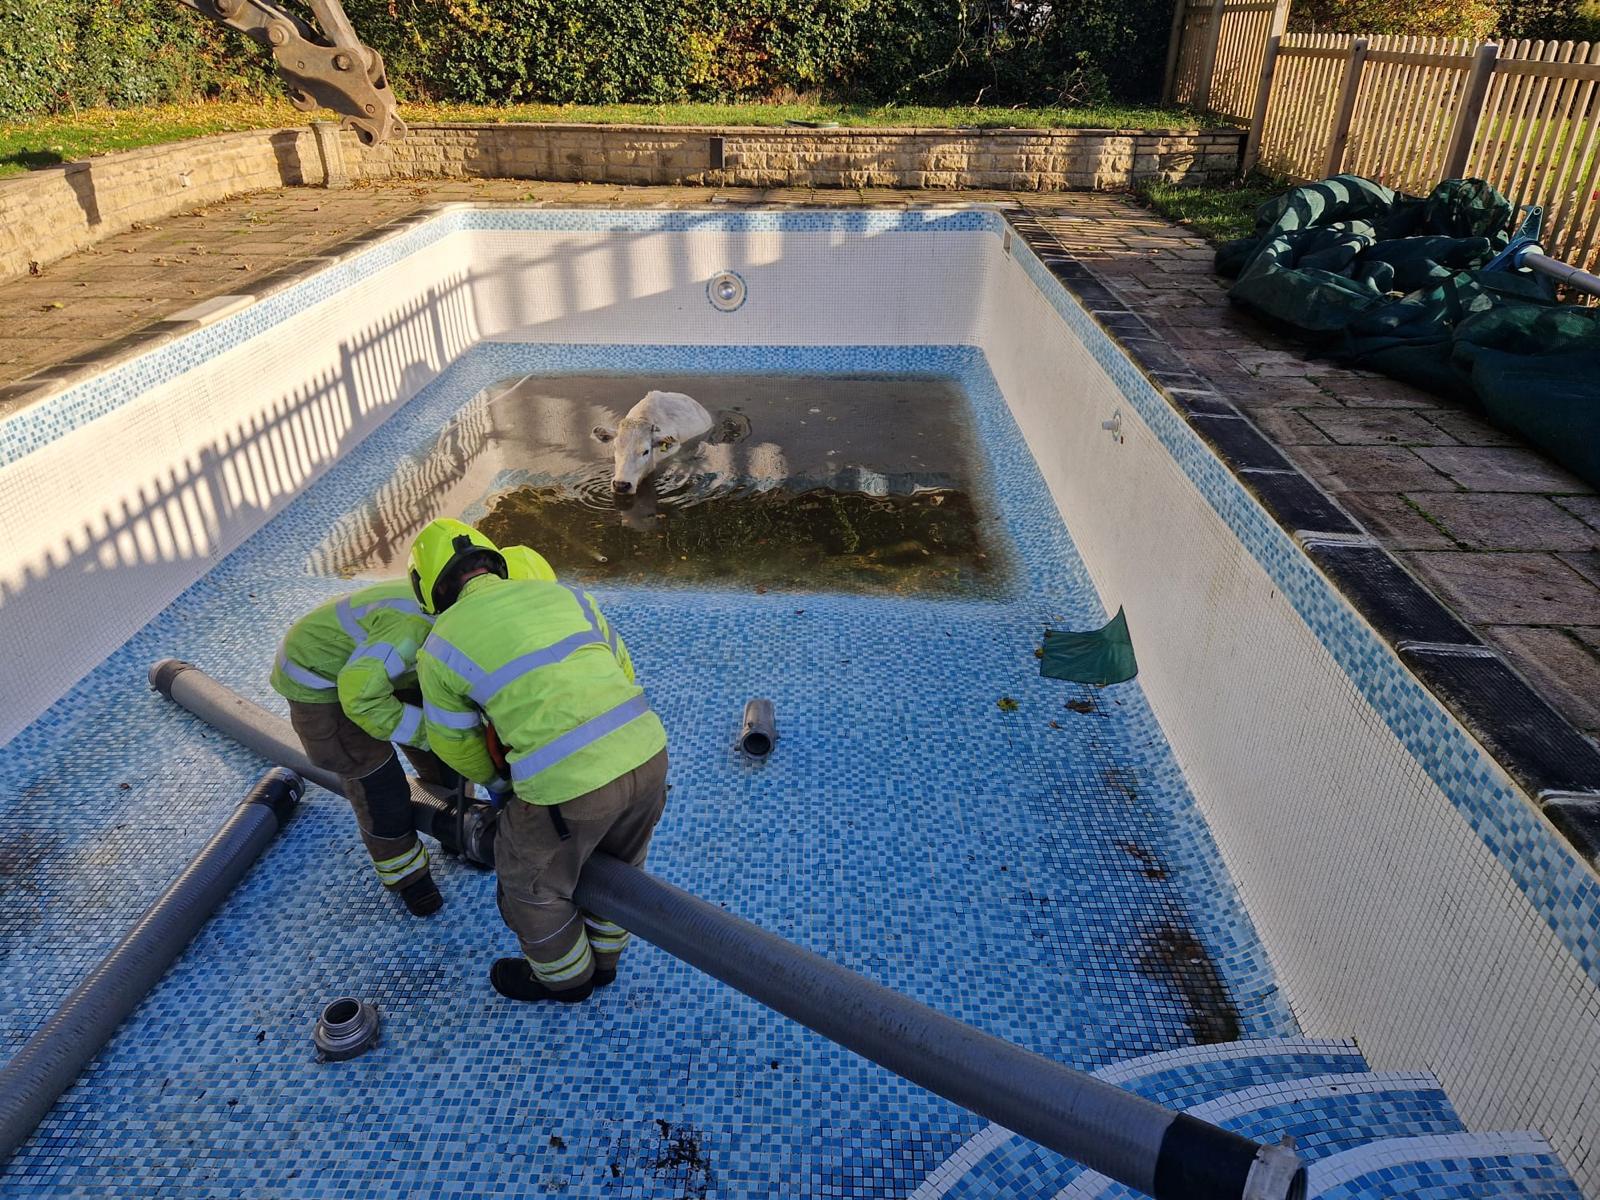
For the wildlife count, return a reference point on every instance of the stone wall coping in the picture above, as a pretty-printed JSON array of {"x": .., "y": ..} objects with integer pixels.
[
  {"x": 844, "y": 131},
  {"x": 201, "y": 142}
]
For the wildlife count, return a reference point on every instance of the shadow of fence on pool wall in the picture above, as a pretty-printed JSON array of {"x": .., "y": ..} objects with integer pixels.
[{"x": 136, "y": 534}]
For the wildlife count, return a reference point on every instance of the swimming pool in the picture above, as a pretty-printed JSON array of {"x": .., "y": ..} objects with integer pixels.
[{"x": 1275, "y": 796}]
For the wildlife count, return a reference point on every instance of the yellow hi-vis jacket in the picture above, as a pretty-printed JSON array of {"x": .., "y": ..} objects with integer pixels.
[
  {"x": 540, "y": 662},
  {"x": 358, "y": 651}
]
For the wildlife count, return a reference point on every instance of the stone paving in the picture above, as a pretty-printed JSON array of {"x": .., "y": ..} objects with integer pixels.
[{"x": 1509, "y": 540}]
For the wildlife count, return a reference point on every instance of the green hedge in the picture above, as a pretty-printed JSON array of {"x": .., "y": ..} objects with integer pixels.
[{"x": 56, "y": 55}]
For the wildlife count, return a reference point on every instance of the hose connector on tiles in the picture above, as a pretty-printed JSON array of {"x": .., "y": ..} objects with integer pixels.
[{"x": 54, "y": 1057}]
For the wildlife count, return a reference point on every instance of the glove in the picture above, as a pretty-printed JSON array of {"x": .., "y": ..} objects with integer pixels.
[{"x": 498, "y": 792}]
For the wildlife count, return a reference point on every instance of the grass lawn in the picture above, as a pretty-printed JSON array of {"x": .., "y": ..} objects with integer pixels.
[
  {"x": 1218, "y": 212},
  {"x": 44, "y": 141}
]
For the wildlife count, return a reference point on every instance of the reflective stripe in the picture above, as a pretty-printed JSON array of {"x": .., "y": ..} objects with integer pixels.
[
  {"x": 489, "y": 686},
  {"x": 573, "y": 740},
  {"x": 409, "y": 726},
  {"x": 448, "y": 656},
  {"x": 393, "y": 665},
  {"x": 409, "y": 607},
  {"x": 448, "y": 718},
  {"x": 393, "y": 870},
  {"x": 303, "y": 677},
  {"x": 570, "y": 965},
  {"x": 611, "y": 638},
  {"x": 586, "y": 607},
  {"x": 605, "y": 937},
  {"x": 483, "y": 685},
  {"x": 348, "y": 622}
]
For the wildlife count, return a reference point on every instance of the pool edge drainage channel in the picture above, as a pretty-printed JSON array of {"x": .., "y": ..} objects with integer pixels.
[
  {"x": 52, "y": 1059},
  {"x": 1156, "y": 1150}
]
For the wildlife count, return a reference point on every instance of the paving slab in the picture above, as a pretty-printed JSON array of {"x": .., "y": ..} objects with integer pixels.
[
  {"x": 1501, "y": 469},
  {"x": 1370, "y": 469},
  {"x": 1377, "y": 427},
  {"x": 1397, "y": 522},
  {"x": 1510, "y": 588},
  {"x": 1585, "y": 508},
  {"x": 1506, "y": 521}
]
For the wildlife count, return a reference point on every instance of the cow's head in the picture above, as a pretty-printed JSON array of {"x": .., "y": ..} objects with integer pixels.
[{"x": 637, "y": 447}]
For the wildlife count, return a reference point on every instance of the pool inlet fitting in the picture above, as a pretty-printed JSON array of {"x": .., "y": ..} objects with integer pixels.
[
  {"x": 347, "y": 1027},
  {"x": 760, "y": 730}
]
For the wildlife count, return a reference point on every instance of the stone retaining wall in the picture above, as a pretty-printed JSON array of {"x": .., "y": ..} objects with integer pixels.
[
  {"x": 50, "y": 213},
  {"x": 1010, "y": 159}
]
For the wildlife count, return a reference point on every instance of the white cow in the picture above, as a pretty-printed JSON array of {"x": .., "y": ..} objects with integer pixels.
[{"x": 655, "y": 429}]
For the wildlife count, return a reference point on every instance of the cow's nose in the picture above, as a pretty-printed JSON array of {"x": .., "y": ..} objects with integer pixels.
[{"x": 621, "y": 486}]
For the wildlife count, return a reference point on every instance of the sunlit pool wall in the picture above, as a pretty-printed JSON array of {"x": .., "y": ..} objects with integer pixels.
[
  {"x": 1408, "y": 893},
  {"x": 122, "y": 491}
]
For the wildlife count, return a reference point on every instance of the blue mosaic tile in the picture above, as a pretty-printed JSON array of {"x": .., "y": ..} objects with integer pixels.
[{"x": 969, "y": 857}]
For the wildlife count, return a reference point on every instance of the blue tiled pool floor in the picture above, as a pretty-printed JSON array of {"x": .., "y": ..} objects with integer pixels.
[{"x": 1008, "y": 867}]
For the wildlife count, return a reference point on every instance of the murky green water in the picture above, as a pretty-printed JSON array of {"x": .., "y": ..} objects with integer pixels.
[{"x": 861, "y": 483}]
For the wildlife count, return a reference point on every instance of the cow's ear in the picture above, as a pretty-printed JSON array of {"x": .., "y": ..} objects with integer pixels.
[
  {"x": 602, "y": 434},
  {"x": 665, "y": 443}
]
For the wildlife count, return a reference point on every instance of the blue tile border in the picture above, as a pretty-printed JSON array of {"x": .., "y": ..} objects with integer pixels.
[{"x": 1560, "y": 885}]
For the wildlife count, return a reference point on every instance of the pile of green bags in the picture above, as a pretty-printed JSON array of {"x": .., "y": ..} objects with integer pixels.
[{"x": 1403, "y": 285}]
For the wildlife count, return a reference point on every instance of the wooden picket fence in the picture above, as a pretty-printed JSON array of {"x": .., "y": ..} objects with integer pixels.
[
  {"x": 1214, "y": 57},
  {"x": 1406, "y": 111}
]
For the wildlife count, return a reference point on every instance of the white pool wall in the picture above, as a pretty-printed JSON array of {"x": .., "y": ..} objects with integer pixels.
[{"x": 1387, "y": 916}]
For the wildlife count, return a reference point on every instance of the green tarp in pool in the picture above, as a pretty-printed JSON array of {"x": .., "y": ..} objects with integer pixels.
[{"x": 1403, "y": 285}]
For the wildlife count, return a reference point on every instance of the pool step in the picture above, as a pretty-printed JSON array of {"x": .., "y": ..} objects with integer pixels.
[
  {"x": 1356, "y": 1128},
  {"x": 997, "y": 1162},
  {"x": 1458, "y": 1166},
  {"x": 1325, "y": 1114}
]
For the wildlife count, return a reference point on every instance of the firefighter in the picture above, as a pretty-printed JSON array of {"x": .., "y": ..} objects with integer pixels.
[
  {"x": 585, "y": 757},
  {"x": 348, "y": 671}
]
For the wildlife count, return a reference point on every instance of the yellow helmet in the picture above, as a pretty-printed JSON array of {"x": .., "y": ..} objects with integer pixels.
[
  {"x": 439, "y": 556},
  {"x": 524, "y": 562}
]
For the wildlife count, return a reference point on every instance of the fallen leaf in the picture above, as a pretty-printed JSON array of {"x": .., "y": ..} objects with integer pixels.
[
  {"x": 1007, "y": 704},
  {"x": 52, "y": 304}
]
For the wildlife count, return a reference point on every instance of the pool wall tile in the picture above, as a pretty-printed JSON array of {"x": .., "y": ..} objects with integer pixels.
[{"x": 1409, "y": 892}]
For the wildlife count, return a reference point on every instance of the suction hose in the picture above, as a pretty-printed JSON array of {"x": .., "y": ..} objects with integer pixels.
[
  {"x": 433, "y": 808},
  {"x": 54, "y": 1056},
  {"x": 1164, "y": 1153}
]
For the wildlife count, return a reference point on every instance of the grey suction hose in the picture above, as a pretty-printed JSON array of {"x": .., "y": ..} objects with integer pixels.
[
  {"x": 54, "y": 1056},
  {"x": 433, "y": 809},
  {"x": 1163, "y": 1153}
]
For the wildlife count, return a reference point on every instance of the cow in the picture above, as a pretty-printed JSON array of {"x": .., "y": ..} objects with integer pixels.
[{"x": 655, "y": 429}]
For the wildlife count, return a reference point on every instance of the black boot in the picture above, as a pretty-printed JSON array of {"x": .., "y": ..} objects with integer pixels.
[
  {"x": 421, "y": 896},
  {"x": 513, "y": 979},
  {"x": 605, "y": 976}
]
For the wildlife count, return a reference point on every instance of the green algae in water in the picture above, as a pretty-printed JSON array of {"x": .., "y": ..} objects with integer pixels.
[{"x": 821, "y": 539}]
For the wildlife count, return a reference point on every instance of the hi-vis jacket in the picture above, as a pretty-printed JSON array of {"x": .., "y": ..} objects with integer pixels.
[
  {"x": 358, "y": 651},
  {"x": 540, "y": 662}
]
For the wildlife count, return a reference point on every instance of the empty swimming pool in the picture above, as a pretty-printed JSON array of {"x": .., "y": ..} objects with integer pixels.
[{"x": 929, "y": 452}]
